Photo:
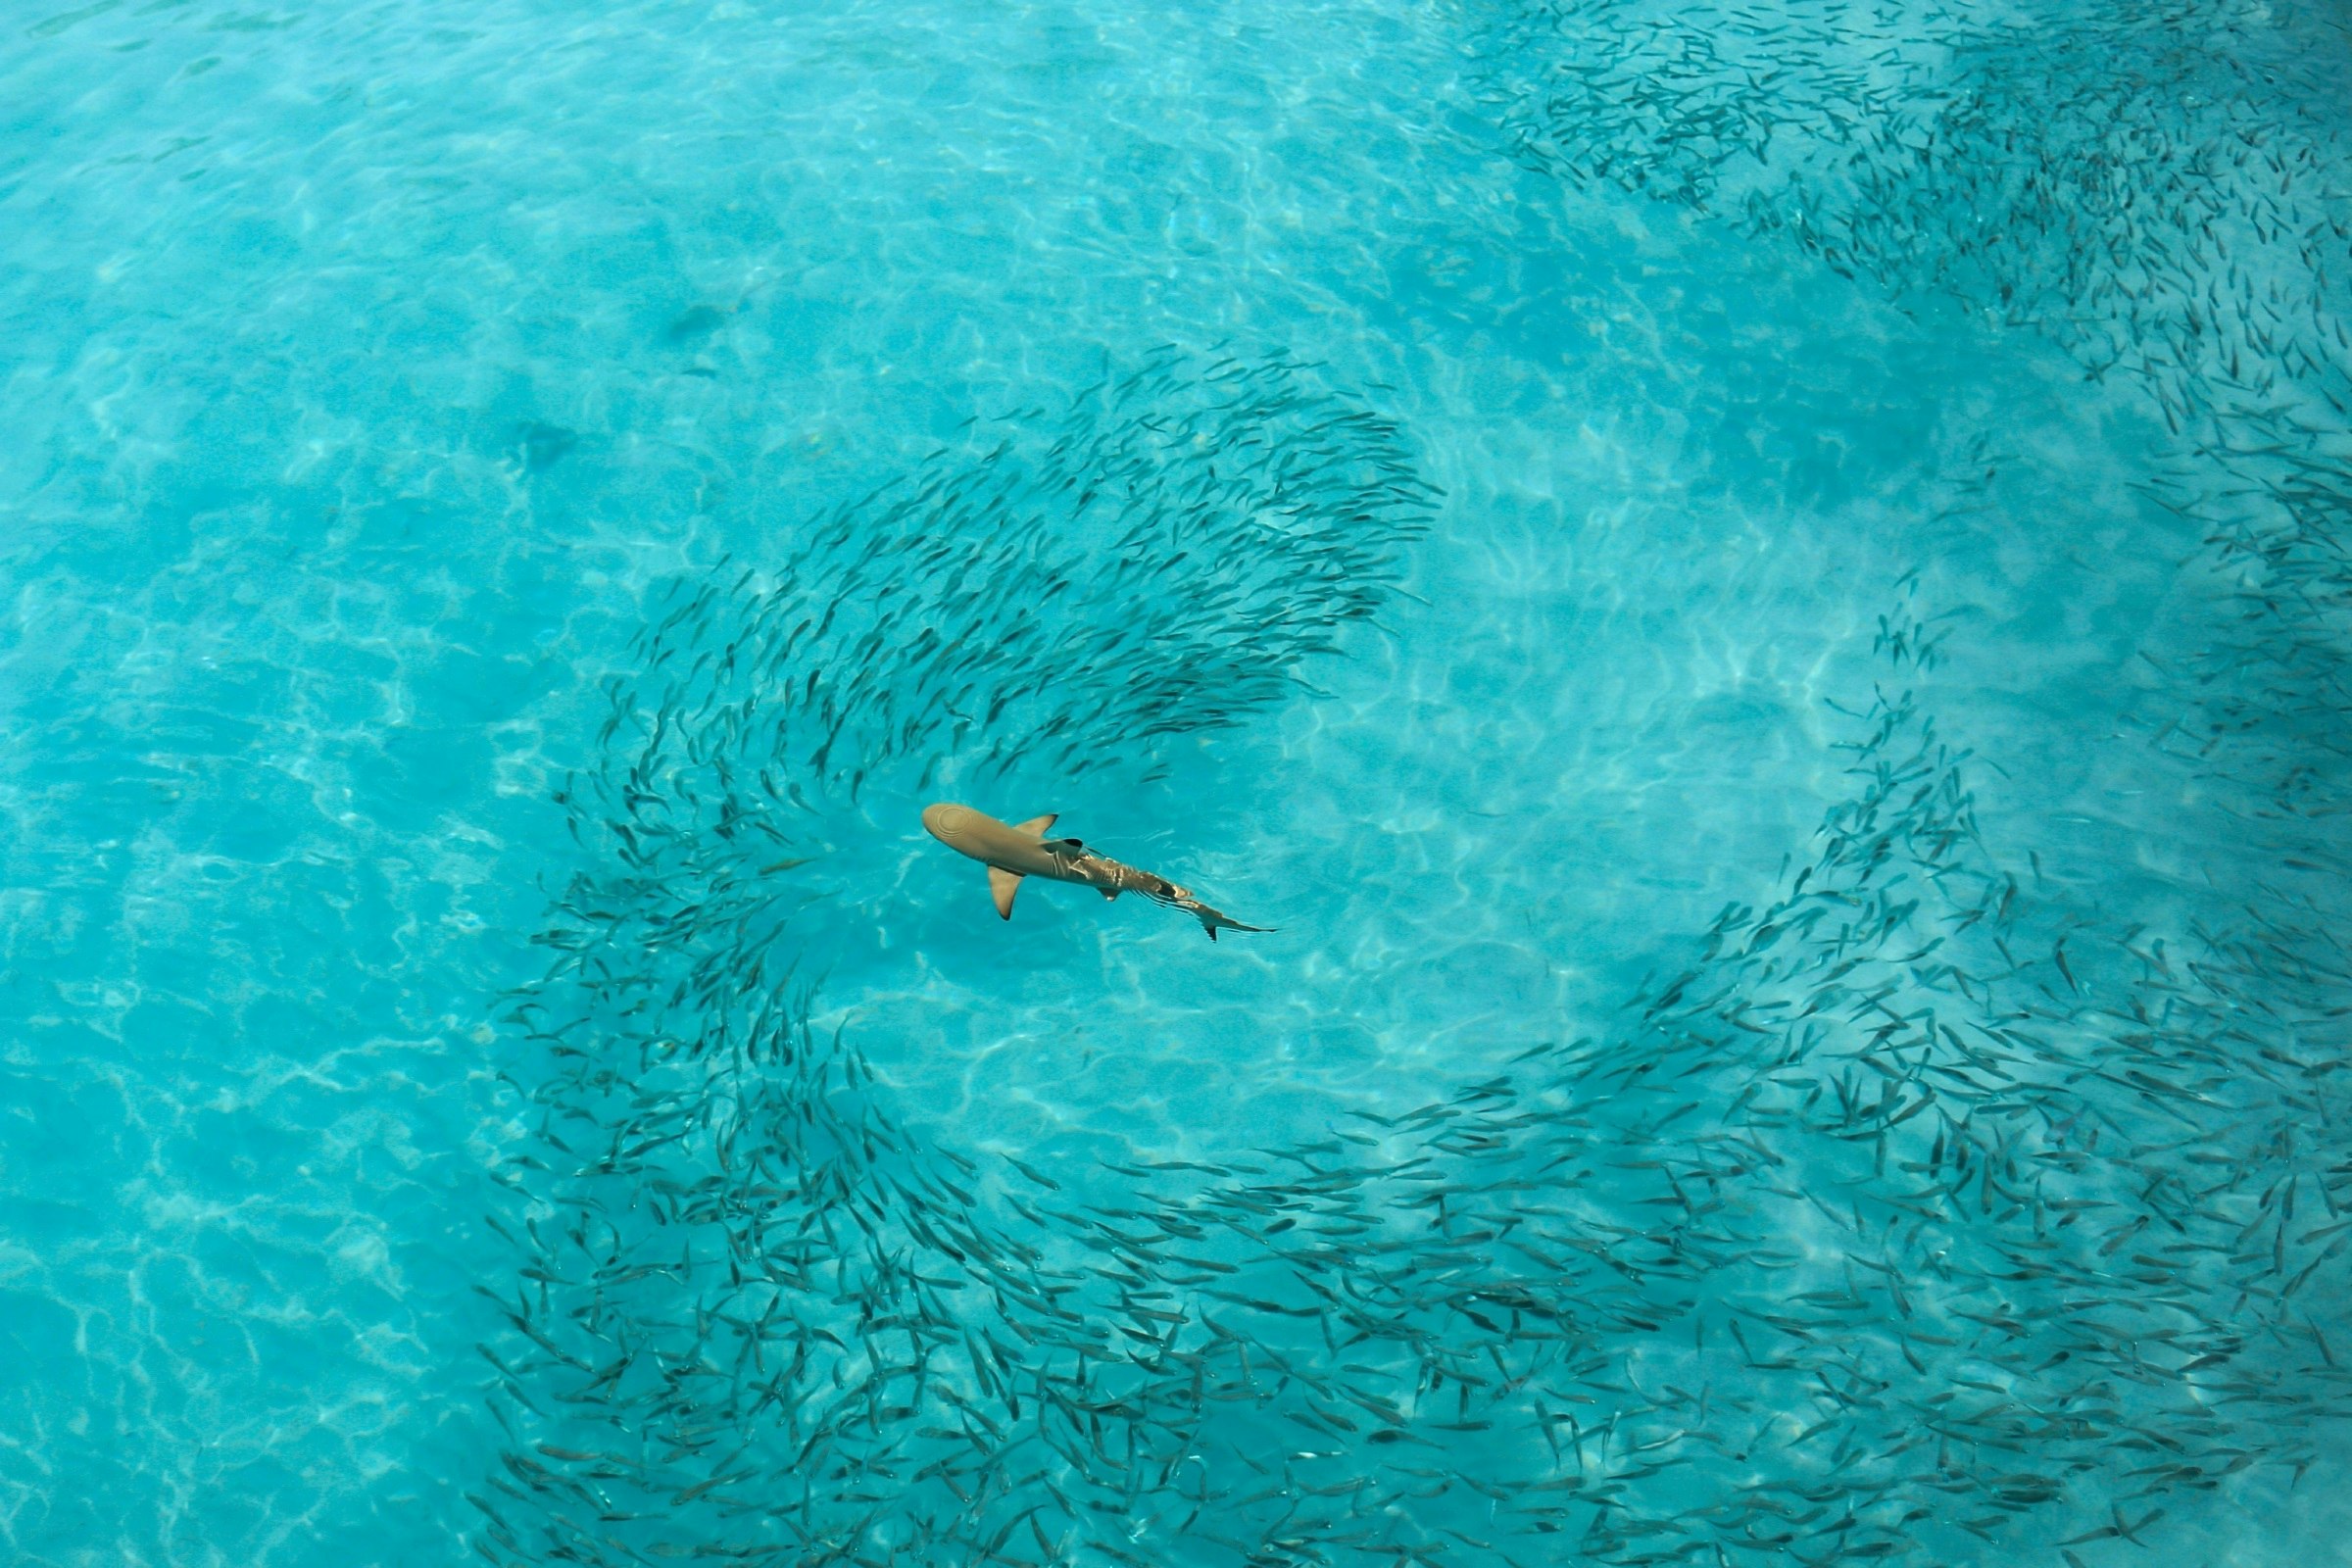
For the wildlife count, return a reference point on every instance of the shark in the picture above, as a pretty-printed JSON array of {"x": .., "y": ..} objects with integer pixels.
[{"x": 1012, "y": 850}]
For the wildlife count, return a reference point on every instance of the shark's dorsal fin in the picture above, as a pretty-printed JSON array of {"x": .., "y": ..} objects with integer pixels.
[
  {"x": 1001, "y": 886},
  {"x": 1039, "y": 826}
]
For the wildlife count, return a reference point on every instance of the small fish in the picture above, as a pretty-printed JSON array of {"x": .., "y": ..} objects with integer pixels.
[
  {"x": 1013, "y": 851},
  {"x": 699, "y": 321},
  {"x": 543, "y": 445}
]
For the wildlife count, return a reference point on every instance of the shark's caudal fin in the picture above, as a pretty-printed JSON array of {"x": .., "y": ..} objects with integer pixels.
[
  {"x": 1212, "y": 921},
  {"x": 1001, "y": 886}
]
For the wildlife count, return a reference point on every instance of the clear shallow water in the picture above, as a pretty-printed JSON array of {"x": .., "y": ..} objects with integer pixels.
[{"x": 374, "y": 378}]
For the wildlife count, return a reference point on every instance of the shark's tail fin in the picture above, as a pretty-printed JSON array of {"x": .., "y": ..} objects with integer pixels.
[{"x": 1212, "y": 921}]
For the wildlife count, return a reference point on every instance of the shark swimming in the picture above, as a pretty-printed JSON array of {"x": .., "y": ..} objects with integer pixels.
[{"x": 1014, "y": 851}]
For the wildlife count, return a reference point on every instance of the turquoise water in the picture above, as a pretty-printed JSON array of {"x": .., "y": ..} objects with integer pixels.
[{"x": 1760, "y": 593}]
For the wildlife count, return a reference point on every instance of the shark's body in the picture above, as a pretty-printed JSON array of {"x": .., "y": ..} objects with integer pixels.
[{"x": 1011, "y": 852}]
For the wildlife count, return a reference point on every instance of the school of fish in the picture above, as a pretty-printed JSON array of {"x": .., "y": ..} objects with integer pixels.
[{"x": 1910, "y": 1217}]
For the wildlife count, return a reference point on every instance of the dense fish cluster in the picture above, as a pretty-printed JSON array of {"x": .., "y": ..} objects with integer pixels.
[
  {"x": 1919, "y": 1217},
  {"x": 1898, "y": 1215},
  {"x": 2157, "y": 188},
  {"x": 2167, "y": 194},
  {"x": 1889, "y": 1219},
  {"x": 744, "y": 1288}
]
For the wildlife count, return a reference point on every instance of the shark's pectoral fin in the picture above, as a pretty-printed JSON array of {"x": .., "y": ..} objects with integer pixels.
[
  {"x": 1001, "y": 886},
  {"x": 1110, "y": 893},
  {"x": 1039, "y": 826}
]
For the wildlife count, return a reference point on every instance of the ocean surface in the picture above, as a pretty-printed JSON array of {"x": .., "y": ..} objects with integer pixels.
[{"x": 1761, "y": 594}]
